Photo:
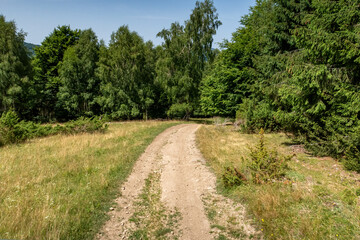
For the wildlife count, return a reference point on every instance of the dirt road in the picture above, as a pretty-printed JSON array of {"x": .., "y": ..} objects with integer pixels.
[{"x": 170, "y": 194}]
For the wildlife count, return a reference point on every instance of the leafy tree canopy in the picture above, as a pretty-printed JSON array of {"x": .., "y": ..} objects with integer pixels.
[
  {"x": 80, "y": 85},
  {"x": 15, "y": 68},
  {"x": 47, "y": 62},
  {"x": 187, "y": 49},
  {"x": 126, "y": 73}
]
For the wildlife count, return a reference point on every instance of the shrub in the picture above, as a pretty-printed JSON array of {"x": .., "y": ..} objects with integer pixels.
[
  {"x": 256, "y": 115},
  {"x": 84, "y": 125},
  {"x": 352, "y": 159},
  {"x": 357, "y": 192},
  {"x": 10, "y": 131},
  {"x": 262, "y": 166},
  {"x": 14, "y": 131},
  {"x": 180, "y": 111},
  {"x": 232, "y": 177},
  {"x": 267, "y": 165}
]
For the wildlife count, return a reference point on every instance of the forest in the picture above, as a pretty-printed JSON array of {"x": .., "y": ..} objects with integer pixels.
[{"x": 291, "y": 66}]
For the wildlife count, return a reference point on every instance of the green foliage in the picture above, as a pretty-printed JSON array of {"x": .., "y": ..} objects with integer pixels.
[
  {"x": 180, "y": 111},
  {"x": 232, "y": 177},
  {"x": 349, "y": 197},
  {"x": 217, "y": 90},
  {"x": 82, "y": 125},
  {"x": 256, "y": 115},
  {"x": 77, "y": 73},
  {"x": 46, "y": 82},
  {"x": 293, "y": 66},
  {"x": 266, "y": 165},
  {"x": 358, "y": 192},
  {"x": 263, "y": 166},
  {"x": 126, "y": 74},
  {"x": 186, "y": 51},
  {"x": 352, "y": 159},
  {"x": 15, "y": 68},
  {"x": 8, "y": 122},
  {"x": 73, "y": 75},
  {"x": 12, "y": 130},
  {"x": 229, "y": 79}
]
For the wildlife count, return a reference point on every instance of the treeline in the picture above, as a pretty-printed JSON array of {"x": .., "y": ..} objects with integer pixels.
[
  {"x": 73, "y": 74},
  {"x": 294, "y": 66},
  {"x": 12, "y": 130}
]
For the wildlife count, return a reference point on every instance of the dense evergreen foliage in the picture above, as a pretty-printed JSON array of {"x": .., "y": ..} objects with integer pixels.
[{"x": 293, "y": 65}]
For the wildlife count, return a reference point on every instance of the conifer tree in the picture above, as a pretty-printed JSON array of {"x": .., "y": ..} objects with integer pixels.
[{"x": 47, "y": 62}]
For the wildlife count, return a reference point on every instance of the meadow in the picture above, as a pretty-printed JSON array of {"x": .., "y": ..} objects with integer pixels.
[
  {"x": 61, "y": 187},
  {"x": 316, "y": 199}
]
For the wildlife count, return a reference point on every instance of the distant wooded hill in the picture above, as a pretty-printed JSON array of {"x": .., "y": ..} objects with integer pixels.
[{"x": 31, "y": 47}]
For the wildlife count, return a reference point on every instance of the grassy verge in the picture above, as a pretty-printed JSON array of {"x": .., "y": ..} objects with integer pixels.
[
  {"x": 152, "y": 220},
  {"x": 60, "y": 187},
  {"x": 318, "y": 199}
]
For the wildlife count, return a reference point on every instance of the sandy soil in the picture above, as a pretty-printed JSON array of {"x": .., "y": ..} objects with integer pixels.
[{"x": 187, "y": 187}]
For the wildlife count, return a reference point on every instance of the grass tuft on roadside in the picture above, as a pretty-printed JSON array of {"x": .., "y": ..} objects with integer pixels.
[{"x": 317, "y": 199}]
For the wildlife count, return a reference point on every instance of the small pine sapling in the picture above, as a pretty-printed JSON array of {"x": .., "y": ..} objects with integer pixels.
[{"x": 266, "y": 165}]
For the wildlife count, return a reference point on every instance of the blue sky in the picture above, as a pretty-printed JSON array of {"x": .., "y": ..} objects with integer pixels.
[{"x": 39, "y": 17}]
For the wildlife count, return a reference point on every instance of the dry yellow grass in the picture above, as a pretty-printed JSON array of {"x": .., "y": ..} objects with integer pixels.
[
  {"x": 59, "y": 187},
  {"x": 319, "y": 200}
]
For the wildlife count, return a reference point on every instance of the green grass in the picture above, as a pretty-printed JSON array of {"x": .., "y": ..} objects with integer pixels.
[
  {"x": 317, "y": 200},
  {"x": 221, "y": 237},
  {"x": 151, "y": 217},
  {"x": 218, "y": 227},
  {"x": 211, "y": 213},
  {"x": 60, "y": 187}
]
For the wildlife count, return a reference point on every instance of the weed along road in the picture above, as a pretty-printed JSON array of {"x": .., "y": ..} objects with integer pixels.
[{"x": 171, "y": 194}]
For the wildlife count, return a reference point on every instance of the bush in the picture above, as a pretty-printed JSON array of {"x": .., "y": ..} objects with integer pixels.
[
  {"x": 256, "y": 115},
  {"x": 180, "y": 111},
  {"x": 14, "y": 131},
  {"x": 263, "y": 166},
  {"x": 352, "y": 159},
  {"x": 84, "y": 125},
  {"x": 267, "y": 165},
  {"x": 10, "y": 130},
  {"x": 232, "y": 177}
]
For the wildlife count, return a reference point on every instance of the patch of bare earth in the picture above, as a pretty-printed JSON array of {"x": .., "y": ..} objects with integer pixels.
[{"x": 171, "y": 195}]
